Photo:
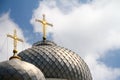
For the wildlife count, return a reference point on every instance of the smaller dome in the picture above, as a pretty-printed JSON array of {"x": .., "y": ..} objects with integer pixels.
[{"x": 15, "y": 69}]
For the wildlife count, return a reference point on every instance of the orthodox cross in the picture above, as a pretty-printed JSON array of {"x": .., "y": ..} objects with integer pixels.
[
  {"x": 44, "y": 23},
  {"x": 15, "y": 38}
]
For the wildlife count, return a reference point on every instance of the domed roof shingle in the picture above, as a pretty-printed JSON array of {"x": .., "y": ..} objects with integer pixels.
[
  {"x": 16, "y": 69},
  {"x": 56, "y": 62}
]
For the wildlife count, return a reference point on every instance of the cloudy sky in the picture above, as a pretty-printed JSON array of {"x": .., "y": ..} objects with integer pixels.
[{"x": 90, "y": 28}]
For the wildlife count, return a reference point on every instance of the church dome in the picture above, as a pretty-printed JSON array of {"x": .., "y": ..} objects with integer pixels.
[
  {"x": 56, "y": 62},
  {"x": 15, "y": 69}
]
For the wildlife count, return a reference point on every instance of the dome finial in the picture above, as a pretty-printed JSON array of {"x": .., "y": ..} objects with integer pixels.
[
  {"x": 15, "y": 38},
  {"x": 44, "y": 23}
]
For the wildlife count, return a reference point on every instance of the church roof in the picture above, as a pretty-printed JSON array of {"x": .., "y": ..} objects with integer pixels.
[
  {"x": 15, "y": 69},
  {"x": 56, "y": 61}
]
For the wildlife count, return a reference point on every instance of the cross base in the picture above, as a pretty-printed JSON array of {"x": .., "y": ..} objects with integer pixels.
[
  {"x": 14, "y": 57},
  {"x": 44, "y": 39},
  {"x": 14, "y": 51}
]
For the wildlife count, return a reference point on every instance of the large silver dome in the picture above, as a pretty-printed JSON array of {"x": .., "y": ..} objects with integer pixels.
[
  {"x": 56, "y": 62},
  {"x": 16, "y": 69}
]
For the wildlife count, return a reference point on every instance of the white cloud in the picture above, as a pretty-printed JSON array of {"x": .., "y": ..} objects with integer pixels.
[
  {"x": 7, "y": 26},
  {"x": 89, "y": 29}
]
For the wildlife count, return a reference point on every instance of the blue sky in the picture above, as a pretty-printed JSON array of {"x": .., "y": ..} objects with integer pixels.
[
  {"x": 20, "y": 12},
  {"x": 88, "y": 27},
  {"x": 112, "y": 58}
]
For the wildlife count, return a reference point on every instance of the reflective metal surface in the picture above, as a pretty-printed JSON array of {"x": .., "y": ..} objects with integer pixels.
[
  {"x": 54, "y": 79},
  {"x": 44, "y": 24},
  {"x": 56, "y": 62},
  {"x": 16, "y": 69}
]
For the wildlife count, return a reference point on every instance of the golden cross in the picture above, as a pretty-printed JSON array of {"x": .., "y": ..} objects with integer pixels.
[
  {"x": 44, "y": 23},
  {"x": 15, "y": 41}
]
